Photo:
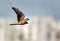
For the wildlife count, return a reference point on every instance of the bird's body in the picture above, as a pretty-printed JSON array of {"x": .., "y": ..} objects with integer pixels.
[{"x": 20, "y": 17}]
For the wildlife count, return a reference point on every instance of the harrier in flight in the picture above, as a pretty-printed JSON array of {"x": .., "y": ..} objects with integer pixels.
[{"x": 20, "y": 17}]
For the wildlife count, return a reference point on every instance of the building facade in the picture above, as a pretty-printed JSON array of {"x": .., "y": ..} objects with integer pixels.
[{"x": 38, "y": 29}]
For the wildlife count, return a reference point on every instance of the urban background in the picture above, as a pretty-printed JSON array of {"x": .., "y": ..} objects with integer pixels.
[{"x": 44, "y": 23}]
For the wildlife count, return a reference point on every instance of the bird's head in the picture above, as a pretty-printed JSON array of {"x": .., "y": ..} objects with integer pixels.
[{"x": 26, "y": 19}]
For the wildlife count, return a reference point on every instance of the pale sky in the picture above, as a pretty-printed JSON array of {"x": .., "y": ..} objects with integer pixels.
[{"x": 30, "y": 7}]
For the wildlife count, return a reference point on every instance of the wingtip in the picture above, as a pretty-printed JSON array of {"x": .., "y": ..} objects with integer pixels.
[
  {"x": 18, "y": 24},
  {"x": 13, "y": 7},
  {"x": 10, "y": 24}
]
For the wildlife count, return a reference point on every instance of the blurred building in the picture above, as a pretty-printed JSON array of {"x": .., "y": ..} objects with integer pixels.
[
  {"x": 6, "y": 31},
  {"x": 38, "y": 29}
]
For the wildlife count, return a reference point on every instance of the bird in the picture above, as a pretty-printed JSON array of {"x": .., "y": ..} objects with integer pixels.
[{"x": 20, "y": 17}]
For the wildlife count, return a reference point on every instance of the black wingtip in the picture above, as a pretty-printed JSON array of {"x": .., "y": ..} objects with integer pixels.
[
  {"x": 13, "y": 7},
  {"x": 18, "y": 24},
  {"x": 11, "y": 24},
  {"x": 14, "y": 24}
]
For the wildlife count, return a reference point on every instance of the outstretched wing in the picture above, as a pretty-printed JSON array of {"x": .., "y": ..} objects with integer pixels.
[{"x": 20, "y": 15}]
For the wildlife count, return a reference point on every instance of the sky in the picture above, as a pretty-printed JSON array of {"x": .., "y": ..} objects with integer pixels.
[{"x": 30, "y": 8}]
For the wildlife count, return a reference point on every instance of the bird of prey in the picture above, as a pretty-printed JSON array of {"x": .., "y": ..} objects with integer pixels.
[{"x": 20, "y": 17}]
